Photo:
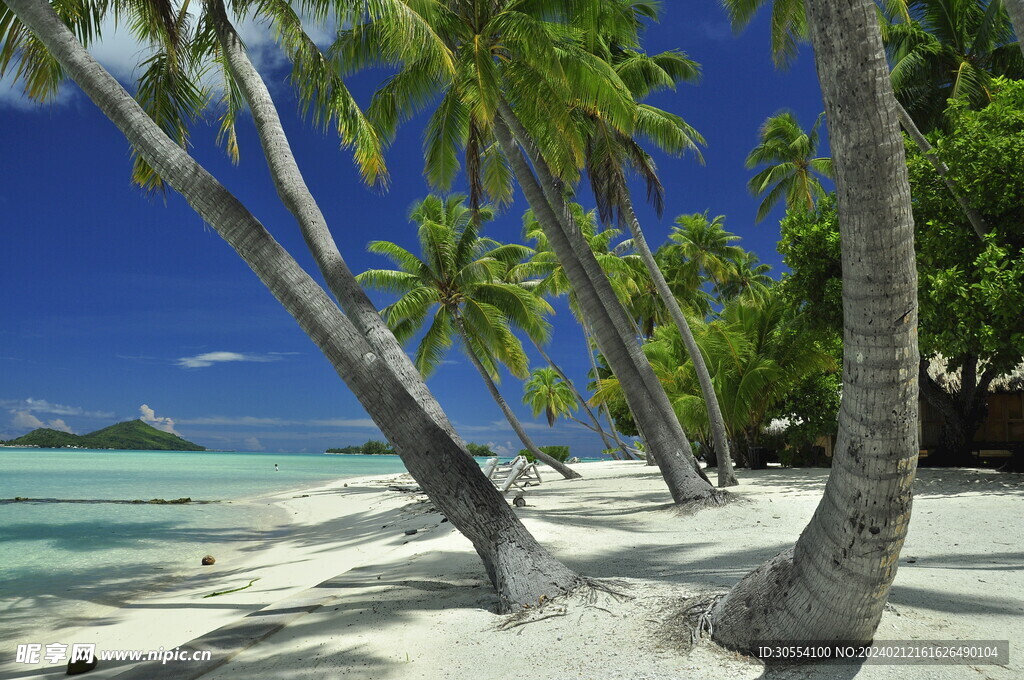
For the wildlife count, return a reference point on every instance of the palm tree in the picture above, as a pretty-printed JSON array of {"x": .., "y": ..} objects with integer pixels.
[
  {"x": 788, "y": 151},
  {"x": 520, "y": 569},
  {"x": 747, "y": 276},
  {"x": 950, "y": 49},
  {"x": 457, "y": 284},
  {"x": 702, "y": 247},
  {"x": 521, "y": 71},
  {"x": 789, "y": 26},
  {"x": 546, "y": 392},
  {"x": 609, "y": 152},
  {"x": 834, "y": 583}
]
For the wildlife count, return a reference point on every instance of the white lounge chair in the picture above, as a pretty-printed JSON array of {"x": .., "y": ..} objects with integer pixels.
[{"x": 519, "y": 473}]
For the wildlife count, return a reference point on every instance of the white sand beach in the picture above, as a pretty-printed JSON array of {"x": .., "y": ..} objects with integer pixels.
[{"x": 346, "y": 592}]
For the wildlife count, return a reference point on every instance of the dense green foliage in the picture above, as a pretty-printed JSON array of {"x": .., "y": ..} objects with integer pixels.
[
  {"x": 372, "y": 447},
  {"x": 971, "y": 293},
  {"x": 132, "y": 435},
  {"x": 560, "y": 453}
]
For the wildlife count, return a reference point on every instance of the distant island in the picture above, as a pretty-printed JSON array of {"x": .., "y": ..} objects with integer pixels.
[
  {"x": 376, "y": 447},
  {"x": 373, "y": 447},
  {"x": 131, "y": 435}
]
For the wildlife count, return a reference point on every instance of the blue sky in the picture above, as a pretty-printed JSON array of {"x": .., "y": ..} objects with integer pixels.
[{"x": 118, "y": 305}]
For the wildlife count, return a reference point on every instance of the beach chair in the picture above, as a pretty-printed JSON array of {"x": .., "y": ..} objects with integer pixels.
[{"x": 519, "y": 473}]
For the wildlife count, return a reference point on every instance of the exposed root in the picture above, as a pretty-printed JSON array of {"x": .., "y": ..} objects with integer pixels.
[
  {"x": 698, "y": 615},
  {"x": 716, "y": 499},
  {"x": 595, "y": 586}
]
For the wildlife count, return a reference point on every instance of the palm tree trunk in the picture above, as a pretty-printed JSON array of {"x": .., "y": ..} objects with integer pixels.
[
  {"x": 975, "y": 218},
  {"x": 595, "y": 423},
  {"x": 1015, "y": 8},
  {"x": 588, "y": 338},
  {"x": 726, "y": 475},
  {"x": 644, "y": 394},
  {"x": 517, "y": 427},
  {"x": 833, "y": 584},
  {"x": 520, "y": 569},
  {"x": 296, "y": 197}
]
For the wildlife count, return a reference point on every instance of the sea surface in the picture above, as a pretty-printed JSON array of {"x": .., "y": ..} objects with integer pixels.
[{"x": 57, "y": 559}]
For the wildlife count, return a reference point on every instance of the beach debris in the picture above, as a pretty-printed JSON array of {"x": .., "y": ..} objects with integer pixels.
[
  {"x": 410, "y": 532},
  {"x": 233, "y": 590},
  {"x": 79, "y": 666},
  {"x": 208, "y": 560}
]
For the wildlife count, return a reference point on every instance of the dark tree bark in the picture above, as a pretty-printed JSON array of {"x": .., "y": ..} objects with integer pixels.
[
  {"x": 520, "y": 569},
  {"x": 833, "y": 584}
]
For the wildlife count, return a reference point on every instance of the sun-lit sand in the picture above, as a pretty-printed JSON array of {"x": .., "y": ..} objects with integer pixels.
[{"x": 396, "y": 605}]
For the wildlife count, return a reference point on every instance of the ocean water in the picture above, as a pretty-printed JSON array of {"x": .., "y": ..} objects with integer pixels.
[{"x": 58, "y": 559}]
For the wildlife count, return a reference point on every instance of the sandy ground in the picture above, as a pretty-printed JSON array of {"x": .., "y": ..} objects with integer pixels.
[{"x": 418, "y": 606}]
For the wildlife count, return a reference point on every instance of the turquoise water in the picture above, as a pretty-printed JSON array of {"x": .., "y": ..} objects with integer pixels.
[{"x": 105, "y": 553}]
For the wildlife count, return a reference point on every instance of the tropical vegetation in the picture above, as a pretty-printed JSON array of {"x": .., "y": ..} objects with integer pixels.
[{"x": 539, "y": 93}]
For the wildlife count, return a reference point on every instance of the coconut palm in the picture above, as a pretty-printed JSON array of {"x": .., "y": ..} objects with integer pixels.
[
  {"x": 433, "y": 454},
  {"x": 545, "y": 392},
  {"x": 950, "y": 49},
  {"x": 521, "y": 72},
  {"x": 789, "y": 26},
  {"x": 789, "y": 152},
  {"x": 609, "y": 152},
  {"x": 701, "y": 247},
  {"x": 834, "y": 583},
  {"x": 748, "y": 275},
  {"x": 457, "y": 284}
]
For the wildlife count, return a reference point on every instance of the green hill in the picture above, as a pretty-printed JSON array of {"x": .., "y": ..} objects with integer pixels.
[{"x": 131, "y": 435}]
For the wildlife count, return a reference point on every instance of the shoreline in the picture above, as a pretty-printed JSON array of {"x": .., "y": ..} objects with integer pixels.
[{"x": 308, "y": 534}]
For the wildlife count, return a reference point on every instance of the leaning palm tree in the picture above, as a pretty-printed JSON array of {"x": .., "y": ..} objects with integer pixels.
[
  {"x": 610, "y": 152},
  {"x": 521, "y": 72},
  {"x": 519, "y": 568},
  {"x": 834, "y": 583},
  {"x": 457, "y": 284},
  {"x": 793, "y": 170}
]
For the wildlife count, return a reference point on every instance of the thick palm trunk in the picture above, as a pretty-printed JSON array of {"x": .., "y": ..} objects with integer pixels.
[
  {"x": 973, "y": 216},
  {"x": 644, "y": 394},
  {"x": 726, "y": 475},
  {"x": 296, "y": 197},
  {"x": 520, "y": 569},
  {"x": 517, "y": 426},
  {"x": 834, "y": 583},
  {"x": 1015, "y": 8},
  {"x": 595, "y": 424}
]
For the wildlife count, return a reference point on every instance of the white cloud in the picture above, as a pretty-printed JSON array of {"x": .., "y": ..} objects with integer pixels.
[
  {"x": 210, "y": 358},
  {"x": 42, "y": 406},
  {"x": 59, "y": 424},
  {"x": 505, "y": 449},
  {"x": 148, "y": 416},
  {"x": 253, "y": 444},
  {"x": 120, "y": 53},
  {"x": 25, "y": 420}
]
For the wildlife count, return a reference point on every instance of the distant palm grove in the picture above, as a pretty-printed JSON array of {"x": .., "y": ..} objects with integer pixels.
[{"x": 903, "y": 244}]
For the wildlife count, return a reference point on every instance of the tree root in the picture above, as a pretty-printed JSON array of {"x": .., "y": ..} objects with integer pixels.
[
  {"x": 716, "y": 499},
  {"x": 698, "y": 615}
]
